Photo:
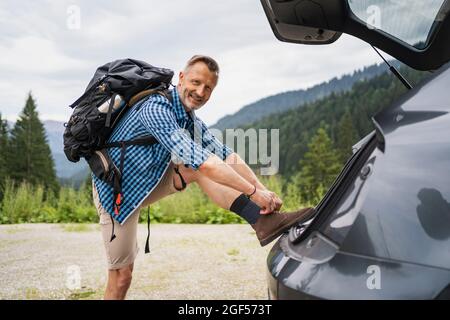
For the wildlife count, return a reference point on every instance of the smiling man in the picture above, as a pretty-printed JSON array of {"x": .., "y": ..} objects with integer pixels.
[{"x": 153, "y": 172}]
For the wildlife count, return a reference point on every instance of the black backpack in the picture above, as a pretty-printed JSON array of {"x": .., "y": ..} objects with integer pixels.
[{"x": 117, "y": 85}]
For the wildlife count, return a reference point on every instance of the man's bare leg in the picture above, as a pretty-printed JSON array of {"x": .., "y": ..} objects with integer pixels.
[
  {"x": 268, "y": 227},
  {"x": 118, "y": 283},
  {"x": 221, "y": 195}
]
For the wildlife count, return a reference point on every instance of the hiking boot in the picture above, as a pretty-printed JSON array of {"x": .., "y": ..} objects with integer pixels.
[{"x": 268, "y": 227}]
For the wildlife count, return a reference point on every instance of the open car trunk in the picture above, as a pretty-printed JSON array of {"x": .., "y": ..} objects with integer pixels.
[
  {"x": 389, "y": 209},
  {"x": 415, "y": 32}
]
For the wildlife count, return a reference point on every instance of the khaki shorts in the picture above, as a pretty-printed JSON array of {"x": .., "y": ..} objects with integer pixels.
[{"x": 122, "y": 251}]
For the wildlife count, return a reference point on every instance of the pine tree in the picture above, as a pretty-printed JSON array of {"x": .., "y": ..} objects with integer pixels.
[
  {"x": 29, "y": 156},
  {"x": 346, "y": 137},
  {"x": 3, "y": 151},
  {"x": 318, "y": 168}
]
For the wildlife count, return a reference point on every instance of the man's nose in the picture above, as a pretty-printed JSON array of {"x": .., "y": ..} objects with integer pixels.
[{"x": 200, "y": 91}]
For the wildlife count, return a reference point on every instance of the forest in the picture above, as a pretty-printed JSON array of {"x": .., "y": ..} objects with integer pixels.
[{"x": 315, "y": 140}]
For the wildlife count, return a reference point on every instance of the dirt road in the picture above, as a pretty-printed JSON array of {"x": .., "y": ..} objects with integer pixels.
[{"x": 55, "y": 261}]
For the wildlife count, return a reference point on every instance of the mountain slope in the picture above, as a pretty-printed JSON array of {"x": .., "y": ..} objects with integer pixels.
[
  {"x": 269, "y": 112},
  {"x": 364, "y": 100},
  {"x": 292, "y": 99},
  {"x": 64, "y": 168}
]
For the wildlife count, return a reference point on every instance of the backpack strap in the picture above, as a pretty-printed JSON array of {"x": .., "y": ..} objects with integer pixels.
[
  {"x": 147, "y": 242},
  {"x": 141, "y": 95},
  {"x": 168, "y": 95},
  {"x": 141, "y": 141},
  {"x": 183, "y": 183},
  {"x": 108, "y": 116}
]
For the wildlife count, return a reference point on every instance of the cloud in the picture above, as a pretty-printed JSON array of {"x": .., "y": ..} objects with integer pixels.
[
  {"x": 39, "y": 52},
  {"x": 250, "y": 73},
  {"x": 30, "y": 54}
]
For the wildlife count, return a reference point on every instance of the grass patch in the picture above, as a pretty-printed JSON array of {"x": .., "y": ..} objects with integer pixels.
[
  {"x": 81, "y": 295},
  {"x": 14, "y": 230},
  {"x": 25, "y": 203},
  {"x": 77, "y": 227},
  {"x": 9, "y": 243},
  {"x": 32, "y": 294},
  {"x": 233, "y": 252}
]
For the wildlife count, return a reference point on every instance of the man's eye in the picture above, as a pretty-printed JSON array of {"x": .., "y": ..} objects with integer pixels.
[{"x": 195, "y": 82}]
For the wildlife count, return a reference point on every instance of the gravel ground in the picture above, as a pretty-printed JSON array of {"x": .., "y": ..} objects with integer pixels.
[{"x": 40, "y": 261}]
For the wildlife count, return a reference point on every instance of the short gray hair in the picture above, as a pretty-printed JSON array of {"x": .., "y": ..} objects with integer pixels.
[{"x": 212, "y": 64}]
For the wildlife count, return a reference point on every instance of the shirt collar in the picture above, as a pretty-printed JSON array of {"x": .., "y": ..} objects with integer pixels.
[{"x": 180, "y": 112}]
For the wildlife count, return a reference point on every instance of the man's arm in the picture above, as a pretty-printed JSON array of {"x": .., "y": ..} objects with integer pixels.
[
  {"x": 239, "y": 165},
  {"x": 220, "y": 172},
  {"x": 225, "y": 153},
  {"x": 161, "y": 123},
  {"x": 158, "y": 118},
  {"x": 210, "y": 142}
]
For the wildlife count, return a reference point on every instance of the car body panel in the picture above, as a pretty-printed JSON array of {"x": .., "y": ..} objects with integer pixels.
[
  {"x": 394, "y": 215},
  {"x": 348, "y": 276}
]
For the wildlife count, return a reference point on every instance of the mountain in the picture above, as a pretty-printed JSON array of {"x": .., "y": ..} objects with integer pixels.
[
  {"x": 64, "y": 168},
  {"x": 282, "y": 102},
  {"x": 360, "y": 104},
  {"x": 276, "y": 106}
]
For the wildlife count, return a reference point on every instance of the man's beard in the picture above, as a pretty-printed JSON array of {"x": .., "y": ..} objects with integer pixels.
[{"x": 191, "y": 97}]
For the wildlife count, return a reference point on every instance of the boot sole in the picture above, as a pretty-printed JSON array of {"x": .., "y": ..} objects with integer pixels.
[{"x": 268, "y": 240}]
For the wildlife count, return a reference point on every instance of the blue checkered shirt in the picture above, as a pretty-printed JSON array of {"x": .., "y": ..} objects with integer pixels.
[{"x": 144, "y": 166}]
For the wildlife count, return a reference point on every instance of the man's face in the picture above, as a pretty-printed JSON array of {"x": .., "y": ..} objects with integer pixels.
[{"x": 196, "y": 85}]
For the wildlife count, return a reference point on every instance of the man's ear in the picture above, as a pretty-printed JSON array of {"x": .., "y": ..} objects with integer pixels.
[{"x": 181, "y": 76}]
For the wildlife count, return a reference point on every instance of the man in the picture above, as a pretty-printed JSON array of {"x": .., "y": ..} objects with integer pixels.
[{"x": 150, "y": 174}]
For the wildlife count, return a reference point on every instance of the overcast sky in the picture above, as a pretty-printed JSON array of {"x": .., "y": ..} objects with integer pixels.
[{"x": 45, "y": 50}]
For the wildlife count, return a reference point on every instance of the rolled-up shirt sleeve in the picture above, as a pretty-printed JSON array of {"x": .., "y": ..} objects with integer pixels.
[
  {"x": 158, "y": 118},
  {"x": 211, "y": 143}
]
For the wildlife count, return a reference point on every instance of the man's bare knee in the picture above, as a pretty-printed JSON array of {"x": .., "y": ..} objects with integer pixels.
[
  {"x": 189, "y": 175},
  {"x": 123, "y": 278}
]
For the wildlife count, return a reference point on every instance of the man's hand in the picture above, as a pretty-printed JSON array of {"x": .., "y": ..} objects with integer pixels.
[
  {"x": 265, "y": 200},
  {"x": 277, "y": 200}
]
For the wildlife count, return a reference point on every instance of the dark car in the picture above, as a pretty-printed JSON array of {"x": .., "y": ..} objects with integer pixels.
[{"x": 382, "y": 231}]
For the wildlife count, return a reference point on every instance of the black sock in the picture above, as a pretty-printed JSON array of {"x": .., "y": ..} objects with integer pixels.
[{"x": 246, "y": 208}]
